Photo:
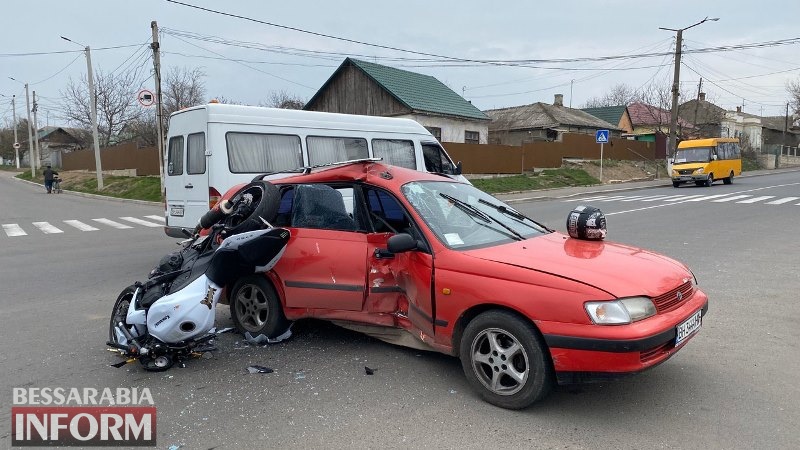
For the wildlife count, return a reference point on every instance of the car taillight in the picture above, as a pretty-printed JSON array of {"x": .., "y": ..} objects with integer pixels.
[{"x": 213, "y": 197}]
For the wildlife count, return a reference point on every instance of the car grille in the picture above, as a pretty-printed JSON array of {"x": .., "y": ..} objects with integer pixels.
[
  {"x": 673, "y": 298},
  {"x": 685, "y": 171}
]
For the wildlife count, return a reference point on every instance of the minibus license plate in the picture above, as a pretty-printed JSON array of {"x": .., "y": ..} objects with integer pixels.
[
  {"x": 688, "y": 327},
  {"x": 176, "y": 211}
]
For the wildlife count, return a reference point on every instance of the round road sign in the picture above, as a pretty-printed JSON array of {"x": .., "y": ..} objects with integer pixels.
[
  {"x": 146, "y": 98},
  {"x": 16, "y": 145}
]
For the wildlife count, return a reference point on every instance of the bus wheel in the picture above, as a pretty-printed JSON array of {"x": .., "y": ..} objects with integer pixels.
[
  {"x": 728, "y": 180},
  {"x": 710, "y": 180}
]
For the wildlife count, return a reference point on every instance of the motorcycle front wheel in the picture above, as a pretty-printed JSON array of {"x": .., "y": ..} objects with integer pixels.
[{"x": 120, "y": 312}]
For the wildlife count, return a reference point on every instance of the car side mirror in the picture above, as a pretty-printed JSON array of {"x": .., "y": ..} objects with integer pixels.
[
  {"x": 401, "y": 242},
  {"x": 713, "y": 157},
  {"x": 457, "y": 170}
]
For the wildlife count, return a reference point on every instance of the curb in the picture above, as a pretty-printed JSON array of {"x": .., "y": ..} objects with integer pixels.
[{"x": 97, "y": 196}]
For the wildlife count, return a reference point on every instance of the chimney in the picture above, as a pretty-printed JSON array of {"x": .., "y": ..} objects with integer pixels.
[
  {"x": 738, "y": 109},
  {"x": 559, "y": 100},
  {"x": 702, "y": 96}
]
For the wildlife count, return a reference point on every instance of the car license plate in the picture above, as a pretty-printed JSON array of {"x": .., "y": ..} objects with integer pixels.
[
  {"x": 688, "y": 327},
  {"x": 176, "y": 211}
]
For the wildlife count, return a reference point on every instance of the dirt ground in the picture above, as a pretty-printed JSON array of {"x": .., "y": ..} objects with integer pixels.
[{"x": 619, "y": 171}]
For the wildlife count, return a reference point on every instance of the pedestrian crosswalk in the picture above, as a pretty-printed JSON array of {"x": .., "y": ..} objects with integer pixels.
[
  {"x": 70, "y": 225},
  {"x": 731, "y": 197}
]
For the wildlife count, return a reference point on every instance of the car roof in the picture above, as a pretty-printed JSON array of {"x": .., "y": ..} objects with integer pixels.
[{"x": 368, "y": 171}]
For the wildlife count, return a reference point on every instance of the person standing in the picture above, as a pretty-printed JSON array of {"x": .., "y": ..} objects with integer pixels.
[{"x": 49, "y": 174}]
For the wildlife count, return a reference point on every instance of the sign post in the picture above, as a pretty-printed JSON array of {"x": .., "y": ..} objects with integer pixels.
[{"x": 601, "y": 137}]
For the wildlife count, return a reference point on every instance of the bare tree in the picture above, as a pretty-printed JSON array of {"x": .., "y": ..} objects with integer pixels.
[
  {"x": 284, "y": 100},
  {"x": 620, "y": 94},
  {"x": 793, "y": 87},
  {"x": 182, "y": 88},
  {"x": 116, "y": 104}
]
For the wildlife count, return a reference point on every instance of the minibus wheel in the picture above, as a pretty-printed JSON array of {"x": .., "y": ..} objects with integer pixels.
[
  {"x": 710, "y": 180},
  {"x": 728, "y": 180}
]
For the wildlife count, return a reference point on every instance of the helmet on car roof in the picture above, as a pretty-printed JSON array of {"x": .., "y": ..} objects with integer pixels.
[{"x": 586, "y": 222}]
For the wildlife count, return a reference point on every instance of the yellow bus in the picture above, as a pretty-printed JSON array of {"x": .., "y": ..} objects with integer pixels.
[{"x": 707, "y": 160}]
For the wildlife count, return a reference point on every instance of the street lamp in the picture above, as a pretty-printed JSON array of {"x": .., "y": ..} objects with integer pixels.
[
  {"x": 673, "y": 120},
  {"x": 33, "y": 158},
  {"x": 93, "y": 102}
]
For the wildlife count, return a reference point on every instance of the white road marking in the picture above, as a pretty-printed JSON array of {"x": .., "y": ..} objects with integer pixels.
[
  {"x": 663, "y": 198},
  {"x": 782, "y": 200},
  {"x": 13, "y": 230},
  {"x": 646, "y": 197},
  {"x": 141, "y": 222},
  {"x": 157, "y": 218},
  {"x": 708, "y": 197},
  {"x": 681, "y": 198},
  {"x": 730, "y": 199},
  {"x": 80, "y": 225},
  {"x": 46, "y": 227},
  {"x": 586, "y": 199},
  {"x": 111, "y": 223},
  {"x": 757, "y": 199}
]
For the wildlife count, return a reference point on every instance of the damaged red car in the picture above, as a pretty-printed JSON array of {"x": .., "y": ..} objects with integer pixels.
[{"x": 426, "y": 261}]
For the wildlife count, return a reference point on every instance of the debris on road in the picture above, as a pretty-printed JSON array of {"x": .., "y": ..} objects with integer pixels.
[{"x": 259, "y": 369}]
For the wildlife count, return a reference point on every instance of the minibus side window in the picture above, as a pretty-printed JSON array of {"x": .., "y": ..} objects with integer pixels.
[
  {"x": 175, "y": 156},
  {"x": 436, "y": 160},
  {"x": 261, "y": 153},
  {"x": 324, "y": 150},
  {"x": 196, "y": 154},
  {"x": 395, "y": 152}
]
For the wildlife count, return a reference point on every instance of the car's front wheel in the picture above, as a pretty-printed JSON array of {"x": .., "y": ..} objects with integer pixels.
[
  {"x": 505, "y": 359},
  {"x": 255, "y": 307}
]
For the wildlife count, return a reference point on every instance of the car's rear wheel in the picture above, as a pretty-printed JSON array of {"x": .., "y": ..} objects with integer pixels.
[
  {"x": 709, "y": 180},
  {"x": 505, "y": 359},
  {"x": 728, "y": 180},
  {"x": 255, "y": 307}
]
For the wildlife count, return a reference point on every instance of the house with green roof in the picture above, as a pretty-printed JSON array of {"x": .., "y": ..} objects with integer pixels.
[
  {"x": 361, "y": 87},
  {"x": 616, "y": 115}
]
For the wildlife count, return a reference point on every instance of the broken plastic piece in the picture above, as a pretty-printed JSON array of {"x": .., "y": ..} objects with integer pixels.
[
  {"x": 259, "y": 369},
  {"x": 262, "y": 339},
  {"x": 369, "y": 371}
]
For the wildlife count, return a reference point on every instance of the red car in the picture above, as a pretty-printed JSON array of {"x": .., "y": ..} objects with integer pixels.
[{"x": 426, "y": 261}]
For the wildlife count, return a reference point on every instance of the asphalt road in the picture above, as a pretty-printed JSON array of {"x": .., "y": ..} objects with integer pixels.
[{"x": 733, "y": 386}]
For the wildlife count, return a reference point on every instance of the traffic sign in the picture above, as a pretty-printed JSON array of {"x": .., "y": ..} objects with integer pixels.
[
  {"x": 601, "y": 136},
  {"x": 16, "y": 146},
  {"x": 146, "y": 98}
]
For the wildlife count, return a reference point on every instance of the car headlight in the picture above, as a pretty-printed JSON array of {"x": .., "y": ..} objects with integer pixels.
[
  {"x": 622, "y": 311},
  {"x": 700, "y": 170}
]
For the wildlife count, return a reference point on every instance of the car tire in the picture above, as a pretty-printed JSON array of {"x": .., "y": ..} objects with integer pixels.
[
  {"x": 728, "y": 180},
  {"x": 676, "y": 184},
  {"x": 710, "y": 180},
  {"x": 255, "y": 307},
  {"x": 506, "y": 360}
]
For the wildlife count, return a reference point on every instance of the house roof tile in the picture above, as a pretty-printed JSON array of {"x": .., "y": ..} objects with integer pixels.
[
  {"x": 643, "y": 114},
  {"x": 543, "y": 115},
  {"x": 611, "y": 114}
]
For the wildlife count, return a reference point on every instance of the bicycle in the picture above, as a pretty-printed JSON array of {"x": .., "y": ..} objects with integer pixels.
[{"x": 56, "y": 187}]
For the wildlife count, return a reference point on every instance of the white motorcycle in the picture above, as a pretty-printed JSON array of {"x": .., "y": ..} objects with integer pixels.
[{"x": 170, "y": 317}]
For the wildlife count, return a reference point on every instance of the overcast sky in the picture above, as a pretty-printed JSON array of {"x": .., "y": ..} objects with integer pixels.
[{"x": 299, "y": 63}]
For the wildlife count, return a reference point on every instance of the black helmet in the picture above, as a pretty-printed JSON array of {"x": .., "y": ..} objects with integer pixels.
[{"x": 586, "y": 222}]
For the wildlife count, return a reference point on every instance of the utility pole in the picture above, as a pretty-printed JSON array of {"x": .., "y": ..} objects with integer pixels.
[
  {"x": 93, "y": 99},
  {"x": 30, "y": 134},
  {"x": 14, "y": 115},
  {"x": 673, "y": 120},
  {"x": 697, "y": 103},
  {"x": 36, "y": 132},
  {"x": 785, "y": 129},
  {"x": 159, "y": 110},
  {"x": 98, "y": 166}
]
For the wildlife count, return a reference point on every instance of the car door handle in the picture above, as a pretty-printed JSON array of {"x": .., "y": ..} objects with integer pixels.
[{"x": 189, "y": 186}]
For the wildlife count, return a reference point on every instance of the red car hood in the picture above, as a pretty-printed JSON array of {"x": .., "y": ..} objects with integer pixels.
[{"x": 620, "y": 270}]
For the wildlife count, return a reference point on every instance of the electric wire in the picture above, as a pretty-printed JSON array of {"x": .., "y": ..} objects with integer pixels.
[{"x": 12, "y": 55}]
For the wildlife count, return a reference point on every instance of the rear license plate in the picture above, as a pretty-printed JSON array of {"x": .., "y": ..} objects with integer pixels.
[
  {"x": 688, "y": 327},
  {"x": 176, "y": 211}
]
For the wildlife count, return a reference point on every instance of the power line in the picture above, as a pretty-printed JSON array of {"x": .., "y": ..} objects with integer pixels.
[
  {"x": 63, "y": 69},
  {"x": 11, "y": 55}
]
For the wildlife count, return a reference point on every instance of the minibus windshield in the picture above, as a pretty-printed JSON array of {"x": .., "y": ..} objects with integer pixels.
[{"x": 690, "y": 155}]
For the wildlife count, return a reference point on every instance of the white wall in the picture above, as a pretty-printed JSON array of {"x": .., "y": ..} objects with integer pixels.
[
  {"x": 734, "y": 124},
  {"x": 453, "y": 129}
]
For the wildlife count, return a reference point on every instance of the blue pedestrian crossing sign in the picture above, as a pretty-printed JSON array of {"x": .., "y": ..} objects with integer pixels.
[{"x": 601, "y": 136}]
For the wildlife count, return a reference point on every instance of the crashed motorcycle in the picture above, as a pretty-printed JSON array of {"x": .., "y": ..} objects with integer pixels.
[{"x": 170, "y": 317}]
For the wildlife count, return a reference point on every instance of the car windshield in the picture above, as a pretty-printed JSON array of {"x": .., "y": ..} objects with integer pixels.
[
  {"x": 690, "y": 155},
  {"x": 464, "y": 217}
]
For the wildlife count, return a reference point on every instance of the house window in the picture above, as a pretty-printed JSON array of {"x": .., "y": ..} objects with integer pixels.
[
  {"x": 436, "y": 132},
  {"x": 472, "y": 137}
]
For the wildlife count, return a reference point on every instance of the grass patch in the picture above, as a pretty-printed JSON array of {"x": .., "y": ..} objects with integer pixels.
[
  {"x": 547, "y": 179},
  {"x": 139, "y": 188},
  {"x": 750, "y": 164}
]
